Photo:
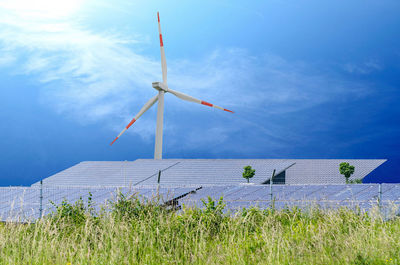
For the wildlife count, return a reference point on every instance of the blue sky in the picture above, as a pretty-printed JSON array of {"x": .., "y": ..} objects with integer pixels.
[{"x": 306, "y": 79}]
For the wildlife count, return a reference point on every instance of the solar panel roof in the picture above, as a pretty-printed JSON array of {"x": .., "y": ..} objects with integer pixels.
[
  {"x": 107, "y": 173},
  {"x": 206, "y": 171},
  {"x": 173, "y": 172},
  {"x": 326, "y": 171}
]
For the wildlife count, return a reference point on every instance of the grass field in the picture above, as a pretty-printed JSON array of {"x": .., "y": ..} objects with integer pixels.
[{"x": 129, "y": 232}]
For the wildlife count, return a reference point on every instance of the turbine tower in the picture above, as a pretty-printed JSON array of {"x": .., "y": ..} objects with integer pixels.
[{"x": 163, "y": 88}]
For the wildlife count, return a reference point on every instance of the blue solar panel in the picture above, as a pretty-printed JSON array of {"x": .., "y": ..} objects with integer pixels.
[
  {"x": 368, "y": 194},
  {"x": 238, "y": 205},
  {"x": 327, "y": 191},
  {"x": 356, "y": 196},
  {"x": 306, "y": 192},
  {"x": 214, "y": 192},
  {"x": 261, "y": 193},
  {"x": 22, "y": 203},
  {"x": 238, "y": 192},
  {"x": 391, "y": 192},
  {"x": 283, "y": 192},
  {"x": 206, "y": 171}
]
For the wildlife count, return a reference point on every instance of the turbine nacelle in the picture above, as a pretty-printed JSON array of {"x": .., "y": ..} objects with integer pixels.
[{"x": 160, "y": 86}]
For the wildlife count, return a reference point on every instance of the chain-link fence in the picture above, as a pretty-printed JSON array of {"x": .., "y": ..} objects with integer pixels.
[{"x": 29, "y": 203}]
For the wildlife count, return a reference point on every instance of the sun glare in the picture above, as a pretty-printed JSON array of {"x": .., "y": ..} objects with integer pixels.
[{"x": 44, "y": 8}]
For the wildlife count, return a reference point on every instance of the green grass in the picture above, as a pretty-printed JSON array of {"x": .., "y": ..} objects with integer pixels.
[{"x": 130, "y": 232}]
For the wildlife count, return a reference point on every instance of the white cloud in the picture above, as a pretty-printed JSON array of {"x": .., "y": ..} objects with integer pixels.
[
  {"x": 6, "y": 59},
  {"x": 93, "y": 76},
  {"x": 268, "y": 82},
  {"x": 85, "y": 74},
  {"x": 364, "y": 68}
]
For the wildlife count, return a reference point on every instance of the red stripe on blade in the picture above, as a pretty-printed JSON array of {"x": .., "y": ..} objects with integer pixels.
[
  {"x": 161, "y": 42},
  {"x": 114, "y": 141},
  {"x": 228, "y": 110},
  {"x": 129, "y": 125},
  {"x": 158, "y": 16},
  {"x": 206, "y": 103}
]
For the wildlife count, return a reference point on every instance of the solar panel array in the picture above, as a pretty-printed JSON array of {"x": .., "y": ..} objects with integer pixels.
[
  {"x": 23, "y": 203},
  {"x": 206, "y": 171},
  {"x": 364, "y": 196},
  {"x": 326, "y": 171},
  {"x": 174, "y": 172},
  {"x": 108, "y": 173},
  {"x": 217, "y": 171}
]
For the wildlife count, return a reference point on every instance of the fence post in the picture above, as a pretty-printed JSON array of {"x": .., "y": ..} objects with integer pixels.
[
  {"x": 270, "y": 186},
  {"x": 380, "y": 196},
  {"x": 41, "y": 199},
  {"x": 158, "y": 184}
]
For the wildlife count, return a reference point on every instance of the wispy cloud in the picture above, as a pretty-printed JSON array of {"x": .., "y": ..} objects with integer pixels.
[
  {"x": 93, "y": 76},
  {"x": 267, "y": 81},
  {"x": 364, "y": 68},
  {"x": 85, "y": 74}
]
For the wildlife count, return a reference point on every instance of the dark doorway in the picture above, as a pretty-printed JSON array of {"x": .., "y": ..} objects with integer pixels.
[{"x": 278, "y": 179}]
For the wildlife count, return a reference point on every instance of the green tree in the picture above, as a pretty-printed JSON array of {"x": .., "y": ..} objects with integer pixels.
[
  {"x": 346, "y": 169},
  {"x": 248, "y": 173}
]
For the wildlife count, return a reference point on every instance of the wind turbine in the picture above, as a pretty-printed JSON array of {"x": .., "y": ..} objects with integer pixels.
[{"x": 163, "y": 88}]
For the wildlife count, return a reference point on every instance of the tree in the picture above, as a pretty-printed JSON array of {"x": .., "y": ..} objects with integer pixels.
[
  {"x": 248, "y": 173},
  {"x": 346, "y": 169}
]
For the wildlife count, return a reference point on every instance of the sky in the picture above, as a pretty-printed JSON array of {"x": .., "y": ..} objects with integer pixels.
[{"x": 306, "y": 79}]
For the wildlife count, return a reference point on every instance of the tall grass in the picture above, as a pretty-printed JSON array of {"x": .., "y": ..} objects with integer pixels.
[{"x": 132, "y": 232}]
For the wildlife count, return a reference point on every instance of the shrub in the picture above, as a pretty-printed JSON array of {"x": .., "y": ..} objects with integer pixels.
[
  {"x": 75, "y": 213},
  {"x": 355, "y": 181},
  {"x": 127, "y": 206}
]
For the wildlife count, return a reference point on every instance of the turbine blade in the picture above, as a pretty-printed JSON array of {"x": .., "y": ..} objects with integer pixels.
[
  {"x": 143, "y": 110},
  {"x": 163, "y": 60},
  {"x": 195, "y": 100}
]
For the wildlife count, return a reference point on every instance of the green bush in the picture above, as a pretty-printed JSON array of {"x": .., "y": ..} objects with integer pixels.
[
  {"x": 131, "y": 206},
  {"x": 355, "y": 181},
  {"x": 75, "y": 213}
]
